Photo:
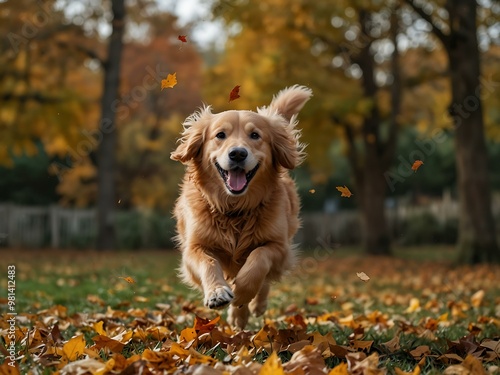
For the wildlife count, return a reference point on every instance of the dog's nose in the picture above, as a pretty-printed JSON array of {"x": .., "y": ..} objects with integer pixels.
[{"x": 238, "y": 154}]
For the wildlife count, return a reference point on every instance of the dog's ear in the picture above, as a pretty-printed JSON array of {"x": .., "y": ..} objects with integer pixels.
[
  {"x": 286, "y": 148},
  {"x": 288, "y": 102},
  {"x": 282, "y": 113},
  {"x": 192, "y": 137}
]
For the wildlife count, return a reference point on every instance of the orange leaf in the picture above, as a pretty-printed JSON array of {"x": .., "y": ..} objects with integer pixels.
[
  {"x": 416, "y": 165},
  {"x": 128, "y": 279},
  {"x": 345, "y": 191},
  {"x": 169, "y": 82},
  {"x": 182, "y": 38},
  {"x": 235, "y": 93},
  {"x": 74, "y": 347},
  {"x": 205, "y": 325},
  {"x": 363, "y": 276},
  {"x": 341, "y": 369}
]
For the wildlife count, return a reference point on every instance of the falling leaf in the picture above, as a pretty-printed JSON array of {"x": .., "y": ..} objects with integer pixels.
[
  {"x": 128, "y": 279},
  {"x": 74, "y": 348},
  {"x": 363, "y": 276},
  {"x": 169, "y": 82},
  {"x": 417, "y": 164},
  {"x": 182, "y": 38},
  {"x": 235, "y": 93},
  {"x": 345, "y": 191}
]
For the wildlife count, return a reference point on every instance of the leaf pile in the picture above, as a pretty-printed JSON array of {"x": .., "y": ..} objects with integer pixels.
[{"x": 405, "y": 318}]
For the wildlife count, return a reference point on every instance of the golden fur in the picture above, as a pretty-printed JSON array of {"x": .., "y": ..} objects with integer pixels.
[{"x": 238, "y": 208}]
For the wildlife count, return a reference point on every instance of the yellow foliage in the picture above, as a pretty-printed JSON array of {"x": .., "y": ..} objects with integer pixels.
[{"x": 272, "y": 366}]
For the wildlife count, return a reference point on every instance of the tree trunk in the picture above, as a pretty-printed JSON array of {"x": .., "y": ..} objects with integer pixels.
[
  {"x": 106, "y": 153},
  {"x": 378, "y": 153},
  {"x": 477, "y": 239}
]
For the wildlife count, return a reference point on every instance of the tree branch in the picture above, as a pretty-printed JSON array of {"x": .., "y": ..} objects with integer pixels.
[{"x": 445, "y": 39}]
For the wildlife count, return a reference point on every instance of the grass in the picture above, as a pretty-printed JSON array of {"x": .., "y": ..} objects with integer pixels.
[{"x": 420, "y": 296}]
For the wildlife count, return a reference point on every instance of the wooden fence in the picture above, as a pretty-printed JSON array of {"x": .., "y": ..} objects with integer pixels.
[{"x": 57, "y": 227}]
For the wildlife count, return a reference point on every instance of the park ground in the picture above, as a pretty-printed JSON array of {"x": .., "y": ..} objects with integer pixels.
[{"x": 339, "y": 312}]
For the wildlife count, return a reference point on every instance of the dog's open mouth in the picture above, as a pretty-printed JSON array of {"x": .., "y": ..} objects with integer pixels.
[{"x": 236, "y": 179}]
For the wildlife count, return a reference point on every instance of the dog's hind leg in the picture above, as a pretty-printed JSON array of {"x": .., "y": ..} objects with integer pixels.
[
  {"x": 258, "y": 305},
  {"x": 237, "y": 316}
]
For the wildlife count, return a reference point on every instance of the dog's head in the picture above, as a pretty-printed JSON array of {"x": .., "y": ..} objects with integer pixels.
[{"x": 242, "y": 146}]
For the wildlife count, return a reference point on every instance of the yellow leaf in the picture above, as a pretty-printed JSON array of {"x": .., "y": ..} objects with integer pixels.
[
  {"x": 169, "y": 82},
  {"x": 339, "y": 370},
  {"x": 345, "y": 191},
  {"x": 98, "y": 328},
  {"x": 477, "y": 298},
  {"x": 188, "y": 334},
  {"x": 272, "y": 366},
  {"x": 74, "y": 348},
  {"x": 414, "y": 305}
]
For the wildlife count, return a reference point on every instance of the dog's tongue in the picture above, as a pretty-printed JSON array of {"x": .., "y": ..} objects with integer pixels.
[{"x": 236, "y": 179}]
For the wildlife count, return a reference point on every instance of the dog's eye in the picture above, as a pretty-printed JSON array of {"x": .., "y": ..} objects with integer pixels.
[
  {"x": 254, "y": 135},
  {"x": 221, "y": 135}
]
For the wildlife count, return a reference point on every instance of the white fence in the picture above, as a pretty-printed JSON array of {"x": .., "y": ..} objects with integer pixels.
[{"x": 23, "y": 226}]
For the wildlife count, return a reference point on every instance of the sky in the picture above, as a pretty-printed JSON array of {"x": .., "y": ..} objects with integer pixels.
[{"x": 205, "y": 31}]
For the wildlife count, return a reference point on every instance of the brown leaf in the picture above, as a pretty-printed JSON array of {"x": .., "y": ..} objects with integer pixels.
[
  {"x": 363, "y": 276},
  {"x": 235, "y": 93},
  {"x": 420, "y": 351}
]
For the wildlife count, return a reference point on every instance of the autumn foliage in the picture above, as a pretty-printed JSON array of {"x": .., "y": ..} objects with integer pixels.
[{"x": 406, "y": 317}]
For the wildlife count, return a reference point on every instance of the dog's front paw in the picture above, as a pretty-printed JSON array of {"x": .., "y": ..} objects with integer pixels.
[{"x": 219, "y": 297}]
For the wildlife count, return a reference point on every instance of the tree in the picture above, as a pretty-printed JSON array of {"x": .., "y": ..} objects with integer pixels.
[
  {"x": 264, "y": 56},
  {"x": 106, "y": 153},
  {"x": 477, "y": 239}
]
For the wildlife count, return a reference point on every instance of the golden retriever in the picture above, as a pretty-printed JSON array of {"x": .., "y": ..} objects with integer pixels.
[{"x": 238, "y": 208}]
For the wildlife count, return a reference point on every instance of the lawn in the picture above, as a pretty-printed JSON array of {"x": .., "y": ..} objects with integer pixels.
[{"x": 84, "y": 312}]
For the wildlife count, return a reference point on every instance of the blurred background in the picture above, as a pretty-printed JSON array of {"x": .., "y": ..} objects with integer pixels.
[{"x": 86, "y": 131}]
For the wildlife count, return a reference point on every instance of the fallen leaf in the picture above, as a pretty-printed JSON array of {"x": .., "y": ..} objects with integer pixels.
[
  {"x": 477, "y": 298},
  {"x": 106, "y": 342},
  {"x": 341, "y": 369},
  {"x": 74, "y": 348},
  {"x": 417, "y": 164},
  {"x": 414, "y": 305},
  {"x": 169, "y": 82},
  {"x": 272, "y": 366},
  {"x": 235, "y": 93},
  {"x": 345, "y": 191},
  {"x": 182, "y": 38},
  {"x": 363, "y": 276}
]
